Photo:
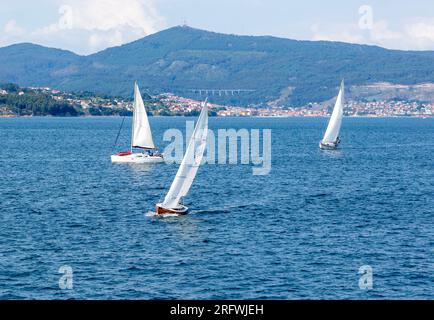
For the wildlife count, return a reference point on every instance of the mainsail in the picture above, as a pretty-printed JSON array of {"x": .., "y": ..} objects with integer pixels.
[
  {"x": 335, "y": 123},
  {"x": 191, "y": 162},
  {"x": 141, "y": 131}
]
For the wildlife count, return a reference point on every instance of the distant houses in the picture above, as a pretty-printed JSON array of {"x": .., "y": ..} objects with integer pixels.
[{"x": 168, "y": 104}]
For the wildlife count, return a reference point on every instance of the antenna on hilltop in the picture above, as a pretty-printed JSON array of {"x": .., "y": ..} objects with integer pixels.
[{"x": 184, "y": 24}]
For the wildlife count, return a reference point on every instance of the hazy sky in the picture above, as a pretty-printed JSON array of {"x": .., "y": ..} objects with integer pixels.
[{"x": 87, "y": 26}]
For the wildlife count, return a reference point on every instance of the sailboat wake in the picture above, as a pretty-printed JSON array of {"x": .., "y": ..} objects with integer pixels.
[{"x": 153, "y": 214}]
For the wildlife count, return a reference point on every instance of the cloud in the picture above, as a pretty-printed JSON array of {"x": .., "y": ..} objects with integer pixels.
[
  {"x": 414, "y": 34},
  {"x": 11, "y": 32},
  {"x": 11, "y": 28},
  {"x": 422, "y": 31},
  {"x": 106, "y": 15},
  {"x": 87, "y": 26},
  {"x": 105, "y": 23},
  {"x": 342, "y": 34},
  {"x": 380, "y": 32}
]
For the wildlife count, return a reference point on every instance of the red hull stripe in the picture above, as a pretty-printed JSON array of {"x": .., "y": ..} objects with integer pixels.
[{"x": 123, "y": 154}]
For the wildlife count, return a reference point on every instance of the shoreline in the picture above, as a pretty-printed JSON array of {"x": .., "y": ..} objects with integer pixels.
[{"x": 259, "y": 117}]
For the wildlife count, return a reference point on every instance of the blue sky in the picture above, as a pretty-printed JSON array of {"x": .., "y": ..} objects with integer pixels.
[{"x": 87, "y": 26}]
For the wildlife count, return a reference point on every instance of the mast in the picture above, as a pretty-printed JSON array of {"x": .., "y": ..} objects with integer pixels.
[{"x": 134, "y": 115}]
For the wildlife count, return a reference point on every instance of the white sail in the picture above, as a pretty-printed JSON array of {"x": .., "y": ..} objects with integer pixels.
[
  {"x": 335, "y": 123},
  {"x": 191, "y": 162},
  {"x": 141, "y": 132}
]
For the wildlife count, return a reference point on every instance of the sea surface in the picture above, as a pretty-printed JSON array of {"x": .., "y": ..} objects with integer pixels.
[{"x": 301, "y": 232}]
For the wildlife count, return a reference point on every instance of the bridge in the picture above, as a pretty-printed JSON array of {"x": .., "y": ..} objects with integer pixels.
[{"x": 219, "y": 92}]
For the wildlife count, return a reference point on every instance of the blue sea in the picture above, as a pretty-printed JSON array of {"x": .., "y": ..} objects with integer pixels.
[{"x": 301, "y": 232}]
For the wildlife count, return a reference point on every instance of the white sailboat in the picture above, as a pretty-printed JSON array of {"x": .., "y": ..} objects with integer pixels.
[
  {"x": 187, "y": 171},
  {"x": 331, "y": 138},
  {"x": 141, "y": 137}
]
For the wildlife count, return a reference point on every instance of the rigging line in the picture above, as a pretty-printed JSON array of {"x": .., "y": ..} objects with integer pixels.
[{"x": 119, "y": 132}]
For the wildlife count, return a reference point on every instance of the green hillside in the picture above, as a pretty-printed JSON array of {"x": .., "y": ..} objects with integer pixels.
[{"x": 182, "y": 58}]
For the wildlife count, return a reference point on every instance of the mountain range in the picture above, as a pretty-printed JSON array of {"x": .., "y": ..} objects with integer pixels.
[{"x": 183, "y": 60}]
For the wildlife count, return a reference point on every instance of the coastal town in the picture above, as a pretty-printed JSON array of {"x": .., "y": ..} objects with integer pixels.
[
  {"x": 171, "y": 105},
  {"x": 352, "y": 109}
]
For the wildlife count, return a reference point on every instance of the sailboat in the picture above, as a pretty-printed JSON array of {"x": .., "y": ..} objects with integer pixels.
[
  {"x": 141, "y": 137},
  {"x": 331, "y": 138},
  {"x": 187, "y": 171}
]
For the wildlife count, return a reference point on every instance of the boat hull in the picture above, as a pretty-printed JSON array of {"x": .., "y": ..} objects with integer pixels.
[
  {"x": 182, "y": 210},
  {"x": 328, "y": 146},
  {"x": 136, "y": 158}
]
